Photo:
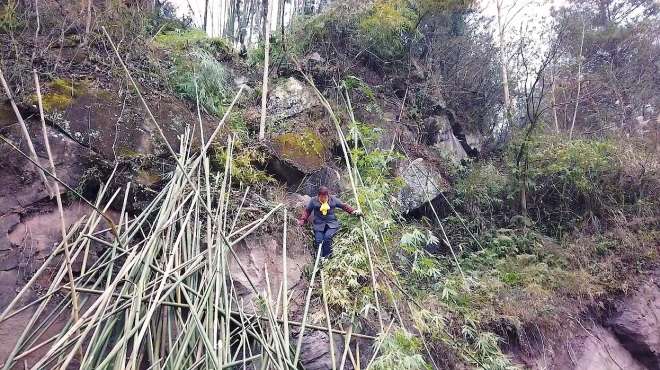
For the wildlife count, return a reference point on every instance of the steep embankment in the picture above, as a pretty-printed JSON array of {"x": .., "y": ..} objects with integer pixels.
[{"x": 442, "y": 269}]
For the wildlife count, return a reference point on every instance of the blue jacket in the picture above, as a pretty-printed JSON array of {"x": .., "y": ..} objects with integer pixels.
[{"x": 330, "y": 219}]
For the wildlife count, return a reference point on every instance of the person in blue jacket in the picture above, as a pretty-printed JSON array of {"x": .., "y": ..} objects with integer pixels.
[{"x": 325, "y": 221}]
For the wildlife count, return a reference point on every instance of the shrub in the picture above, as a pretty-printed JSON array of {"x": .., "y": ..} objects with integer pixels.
[
  {"x": 214, "y": 85},
  {"x": 190, "y": 39},
  {"x": 570, "y": 181},
  {"x": 399, "y": 350},
  {"x": 480, "y": 189},
  {"x": 423, "y": 266},
  {"x": 385, "y": 28}
]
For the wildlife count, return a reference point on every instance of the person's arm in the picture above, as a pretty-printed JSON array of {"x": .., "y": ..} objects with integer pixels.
[
  {"x": 306, "y": 213},
  {"x": 348, "y": 209}
]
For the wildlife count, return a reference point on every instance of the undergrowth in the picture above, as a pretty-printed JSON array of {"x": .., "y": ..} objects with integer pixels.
[
  {"x": 593, "y": 230},
  {"x": 245, "y": 163},
  {"x": 198, "y": 72},
  {"x": 9, "y": 17}
]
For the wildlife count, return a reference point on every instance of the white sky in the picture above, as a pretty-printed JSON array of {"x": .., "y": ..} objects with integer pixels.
[
  {"x": 515, "y": 11},
  {"x": 520, "y": 11}
]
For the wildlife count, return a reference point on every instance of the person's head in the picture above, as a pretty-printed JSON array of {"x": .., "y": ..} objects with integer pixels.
[{"x": 324, "y": 193}]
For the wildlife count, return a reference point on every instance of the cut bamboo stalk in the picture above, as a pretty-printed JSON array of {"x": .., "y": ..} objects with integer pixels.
[
  {"x": 285, "y": 284},
  {"x": 60, "y": 209},
  {"x": 327, "y": 320},
  {"x": 26, "y": 133},
  {"x": 306, "y": 309}
]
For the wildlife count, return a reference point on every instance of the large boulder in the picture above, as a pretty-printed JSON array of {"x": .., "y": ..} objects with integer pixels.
[
  {"x": 290, "y": 97},
  {"x": 423, "y": 183},
  {"x": 300, "y": 138},
  {"x": 112, "y": 122}
]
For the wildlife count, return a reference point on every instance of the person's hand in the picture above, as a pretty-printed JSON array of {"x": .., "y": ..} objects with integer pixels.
[{"x": 301, "y": 222}]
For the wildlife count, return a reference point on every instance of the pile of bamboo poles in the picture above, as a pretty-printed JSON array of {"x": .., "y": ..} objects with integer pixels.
[{"x": 160, "y": 294}]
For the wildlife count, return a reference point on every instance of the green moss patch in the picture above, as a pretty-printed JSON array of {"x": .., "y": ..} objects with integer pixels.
[
  {"x": 306, "y": 149},
  {"x": 60, "y": 93}
]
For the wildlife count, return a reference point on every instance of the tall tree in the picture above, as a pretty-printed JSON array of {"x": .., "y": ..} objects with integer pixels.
[
  {"x": 264, "y": 90},
  {"x": 607, "y": 77},
  {"x": 503, "y": 59},
  {"x": 206, "y": 14}
]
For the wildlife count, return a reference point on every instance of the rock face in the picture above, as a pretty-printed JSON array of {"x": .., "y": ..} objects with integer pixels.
[
  {"x": 290, "y": 97},
  {"x": 27, "y": 227},
  {"x": 602, "y": 351},
  {"x": 423, "y": 182},
  {"x": 637, "y": 324},
  {"x": 629, "y": 339},
  {"x": 260, "y": 252},
  {"x": 445, "y": 140}
]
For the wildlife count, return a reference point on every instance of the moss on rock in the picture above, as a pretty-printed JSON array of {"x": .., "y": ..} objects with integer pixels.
[
  {"x": 304, "y": 149},
  {"x": 61, "y": 93}
]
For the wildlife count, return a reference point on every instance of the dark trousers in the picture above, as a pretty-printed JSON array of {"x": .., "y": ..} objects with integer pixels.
[{"x": 324, "y": 237}]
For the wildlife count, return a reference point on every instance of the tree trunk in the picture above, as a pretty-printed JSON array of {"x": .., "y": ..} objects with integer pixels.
[
  {"x": 503, "y": 62},
  {"x": 264, "y": 90},
  {"x": 554, "y": 102},
  {"x": 282, "y": 24},
  {"x": 206, "y": 14},
  {"x": 579, "y": 84},
  {"x": 88, "y": 22}
]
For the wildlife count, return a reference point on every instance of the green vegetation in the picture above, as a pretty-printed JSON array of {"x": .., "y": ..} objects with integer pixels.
[
  {"x": 60, "y": 94},
  {"x": 480, "y": 190},
  {"x": 202, "y": 76},
  {"x": 244, "y": 163},
  {"x": 9, "y": 20},
  {"x": 384, "y": 27},
  {"x": 400, "y": 350},
  {"x": 511, "y": 273},
  {"x": 583, "y": 174},
  {"x": 187, "y": 39},
  {"x": 198, "y": 72}
]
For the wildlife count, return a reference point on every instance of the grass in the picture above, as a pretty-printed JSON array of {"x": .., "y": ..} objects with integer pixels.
[
  {"x": 181, "y": 40},
  {"x": 201, "y": 77},
  {"x": 198, "y": 72}
]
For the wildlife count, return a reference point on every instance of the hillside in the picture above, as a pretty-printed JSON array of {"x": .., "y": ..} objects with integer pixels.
[{"x": 510, "y": 212}]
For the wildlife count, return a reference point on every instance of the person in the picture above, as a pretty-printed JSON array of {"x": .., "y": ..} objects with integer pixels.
[{"x": 325, "y": 223}]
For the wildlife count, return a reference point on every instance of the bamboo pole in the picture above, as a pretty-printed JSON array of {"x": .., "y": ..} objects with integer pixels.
[
  {"x": 60, "y": 209},
  {"x": 26, "y": 134}
]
